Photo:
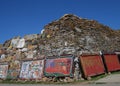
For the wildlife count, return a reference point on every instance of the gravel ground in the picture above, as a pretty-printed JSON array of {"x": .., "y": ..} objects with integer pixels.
[
  {"x": 115, "y": 84},
  {"x": 114, "y": 78},
  {"x": 111, "y": 80}
]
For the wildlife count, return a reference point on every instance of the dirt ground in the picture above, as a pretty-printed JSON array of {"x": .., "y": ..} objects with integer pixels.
[{"x": 110, "y": 80}]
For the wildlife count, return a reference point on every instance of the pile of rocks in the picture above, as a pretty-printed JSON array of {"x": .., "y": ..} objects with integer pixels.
[
  {"x": 68, "y": 35},
  {"x": 81, "y": 35}
]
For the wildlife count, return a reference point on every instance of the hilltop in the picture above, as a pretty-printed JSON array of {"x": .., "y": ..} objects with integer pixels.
[
  {"x": 71, "y": 32},
  {"x": 68, "y": 35}
]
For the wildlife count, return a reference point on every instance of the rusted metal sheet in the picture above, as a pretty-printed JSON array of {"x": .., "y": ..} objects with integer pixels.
[
  {"x": 59, "y": 67},
  {"x": 3, "y": 71},
  {"x": 92, "y": 65},
  {"x": 112, "y": 62},
  {"x": 32, "y": 69}
]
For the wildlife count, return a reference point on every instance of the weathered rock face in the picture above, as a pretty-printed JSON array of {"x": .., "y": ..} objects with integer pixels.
[
  {"x": 1, "y": 45},
  {"x": 72, "y": 34},
  {"x": 68, "y": 35}
]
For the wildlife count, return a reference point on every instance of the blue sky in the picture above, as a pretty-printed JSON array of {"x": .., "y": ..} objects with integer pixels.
[{"x": 21, "y": 17}]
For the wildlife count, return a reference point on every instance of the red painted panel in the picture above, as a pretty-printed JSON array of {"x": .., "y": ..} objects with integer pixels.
[
  {"x": 92, "y": 65},
  {"x": 112, "y": 62},
  {"x": 58, "y": 67}
]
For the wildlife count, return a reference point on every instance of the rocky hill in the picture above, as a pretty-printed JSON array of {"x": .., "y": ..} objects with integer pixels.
[
  {"x": 68, "y": 35},
  {"x": 77, "y": 34}
]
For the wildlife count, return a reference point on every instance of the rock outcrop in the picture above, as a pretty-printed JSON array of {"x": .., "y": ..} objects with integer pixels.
[
  {"x": 68, "y": 35},
  {"x": 74, "y": 34}
]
